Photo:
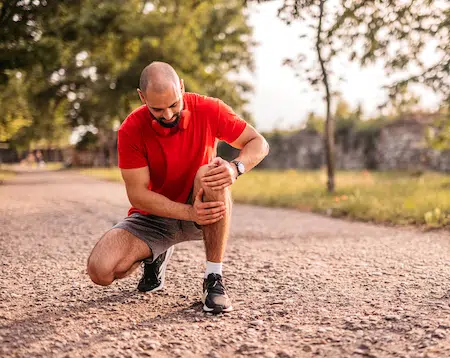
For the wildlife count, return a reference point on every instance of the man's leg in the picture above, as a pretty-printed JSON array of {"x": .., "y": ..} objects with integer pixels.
[
  {"x": 117, "y": 254},
  {"x": 215, "y": 237}
]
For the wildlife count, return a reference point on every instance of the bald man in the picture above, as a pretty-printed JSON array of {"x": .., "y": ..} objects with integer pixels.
[{"x": 179, "y": 190}]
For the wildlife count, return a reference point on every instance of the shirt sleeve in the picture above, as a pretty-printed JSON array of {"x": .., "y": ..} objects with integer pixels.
[
  {"x": 131, "y": 153},
  {"x": 229, "y": 125}
]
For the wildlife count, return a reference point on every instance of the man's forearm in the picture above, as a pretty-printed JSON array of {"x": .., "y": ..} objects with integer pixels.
[
  {"x": 159, "y": 205},
  {"x": 253, "y": 152}
]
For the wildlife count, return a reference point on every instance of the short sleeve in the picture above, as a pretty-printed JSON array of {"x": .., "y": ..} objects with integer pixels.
[
  {"x": 131, "y": 154},
  {"x": 229, "y": 125}
]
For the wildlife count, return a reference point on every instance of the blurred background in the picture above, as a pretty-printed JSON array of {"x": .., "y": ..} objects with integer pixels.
[{"x": 353, "y": 96}]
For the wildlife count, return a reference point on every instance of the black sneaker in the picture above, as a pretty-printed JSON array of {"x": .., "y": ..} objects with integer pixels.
[
  {"x": 215, "y": 299},
  {"x": 155, "y": 273}
]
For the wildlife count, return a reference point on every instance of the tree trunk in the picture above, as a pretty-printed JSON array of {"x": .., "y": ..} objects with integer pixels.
[{"x": 329, "y": 124}]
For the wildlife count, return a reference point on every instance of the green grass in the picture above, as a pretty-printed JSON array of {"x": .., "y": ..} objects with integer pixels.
[
  {"x": 111, "y": 174},
  {"x": 54, "y": 165},
  {"x": 399, "y": 198},
  {"x": 5, "y": 174}
]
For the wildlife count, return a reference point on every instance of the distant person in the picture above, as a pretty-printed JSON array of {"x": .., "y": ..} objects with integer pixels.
[
  {"x": 179, "y": 190},
  {"x": 39, "y": 159}
]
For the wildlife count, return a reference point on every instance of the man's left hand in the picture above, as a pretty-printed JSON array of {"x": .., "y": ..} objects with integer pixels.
[{"x": 221, "y": 175}]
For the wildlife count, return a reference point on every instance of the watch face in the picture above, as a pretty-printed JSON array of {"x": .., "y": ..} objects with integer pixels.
[{"x": 240, "y": 167}]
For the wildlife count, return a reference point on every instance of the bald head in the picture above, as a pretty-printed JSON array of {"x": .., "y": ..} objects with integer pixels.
[{"x": 158, "y": 77}]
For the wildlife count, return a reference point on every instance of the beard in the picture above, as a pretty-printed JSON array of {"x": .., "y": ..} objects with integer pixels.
[{"x": 174, "y": 123}]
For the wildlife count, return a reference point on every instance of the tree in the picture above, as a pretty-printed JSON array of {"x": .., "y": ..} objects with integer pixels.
[
  {"x": 84, "y": 57},
  {"x": 401, "y": 33},
  {"x": 395, "y": 32},
  {"x": 319, "y": 15},
  {"x": 438, "y": 134}
]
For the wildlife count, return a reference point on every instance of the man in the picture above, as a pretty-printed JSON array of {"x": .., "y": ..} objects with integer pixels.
[{"x": 178, "y": 189}]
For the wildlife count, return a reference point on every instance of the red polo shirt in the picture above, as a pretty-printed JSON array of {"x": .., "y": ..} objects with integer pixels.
[{"x": 174, "y": 156}]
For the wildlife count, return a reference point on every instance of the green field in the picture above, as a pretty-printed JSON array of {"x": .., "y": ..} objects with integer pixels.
[
  {"x": 399, "y": 198},
  {"x": 5, "y": 174}
]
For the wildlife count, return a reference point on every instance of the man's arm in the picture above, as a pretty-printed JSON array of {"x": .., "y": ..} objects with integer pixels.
[
  {"x": 136, "y": 183},
  {"x": 253, "y": 148}
]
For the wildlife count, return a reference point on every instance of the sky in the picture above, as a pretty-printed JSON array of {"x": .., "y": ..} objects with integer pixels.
[{"x": 281, "y": 100}]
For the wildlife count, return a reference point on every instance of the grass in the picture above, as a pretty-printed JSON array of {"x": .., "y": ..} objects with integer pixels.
[
  {"x": 5, "y": 174},
  {"x": 387, "y": 197},
  {"x": 399, "y": 198},
  {"x": 111, "y": 174}
]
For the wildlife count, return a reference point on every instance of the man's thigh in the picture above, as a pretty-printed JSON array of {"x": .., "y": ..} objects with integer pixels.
[
  {"x": 116, "y": 251},
  {"x": 159, "y": 233}
]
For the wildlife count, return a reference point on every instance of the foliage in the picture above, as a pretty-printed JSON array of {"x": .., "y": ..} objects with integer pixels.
[
  {"x": 438, "y": 134},
  {"x": 81, "y": 59},
  {"x": 16, "y": 115},
  {"x": 397, "y": 33}
]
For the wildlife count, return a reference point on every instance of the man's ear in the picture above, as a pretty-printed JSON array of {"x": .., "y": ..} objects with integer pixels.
[
  {"x": 141, "y": 96},
  {"x": 182, "y": 86}
]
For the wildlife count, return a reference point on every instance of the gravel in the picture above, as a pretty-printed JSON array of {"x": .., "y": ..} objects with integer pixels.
[{"x": 302, "y": 285}]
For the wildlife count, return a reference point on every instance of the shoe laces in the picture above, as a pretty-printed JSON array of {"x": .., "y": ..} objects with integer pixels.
[{"x": 215, "y": 285}]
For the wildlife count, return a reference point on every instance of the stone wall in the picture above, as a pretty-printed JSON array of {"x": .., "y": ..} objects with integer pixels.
[{"x": 399, "y": 145}]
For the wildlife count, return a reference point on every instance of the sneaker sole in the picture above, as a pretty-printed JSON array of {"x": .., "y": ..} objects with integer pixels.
[
  {"x": 214, "y": 310},
  {"x": 217, "y": 310},
  {"x": 163, "y": 270}
]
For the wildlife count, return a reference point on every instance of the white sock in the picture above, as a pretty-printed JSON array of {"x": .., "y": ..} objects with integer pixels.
[{"x": 213, "y": 267}]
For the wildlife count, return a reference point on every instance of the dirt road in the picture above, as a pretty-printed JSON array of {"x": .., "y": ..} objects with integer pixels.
[{"x": 302, "y": 285}]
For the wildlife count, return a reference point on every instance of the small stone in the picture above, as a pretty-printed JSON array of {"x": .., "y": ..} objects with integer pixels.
[
  {"x": 391, "y": 317},
  {"x": 150, "y": 344},
  {"x": 269, "y": 355},
  {"x": 307, "y": 348},
  {"x": 439, "y": 334},
  {"x": 283, "y": 354},
  {"x": 126, "y": 335},
  {"x": 321, "y": 330},
  {"x": 213, "y": 354},
  {"x": 258, "y": 322}
]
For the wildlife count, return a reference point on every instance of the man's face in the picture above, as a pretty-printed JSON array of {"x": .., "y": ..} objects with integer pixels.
[{"x": 166, "y": 107}]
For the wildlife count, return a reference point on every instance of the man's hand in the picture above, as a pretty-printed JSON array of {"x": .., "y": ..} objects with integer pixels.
[
  {"x": 207, "y": 213},
  {"x": 221, "y": 174}
]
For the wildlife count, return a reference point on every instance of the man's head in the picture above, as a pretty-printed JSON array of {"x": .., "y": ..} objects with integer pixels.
[{"x": 162, "y": 91}]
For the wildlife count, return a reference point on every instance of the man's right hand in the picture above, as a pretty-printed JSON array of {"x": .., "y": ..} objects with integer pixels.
[{"x": 206, "y": 213}]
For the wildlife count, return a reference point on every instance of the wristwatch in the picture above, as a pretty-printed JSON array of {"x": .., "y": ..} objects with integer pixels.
[{"x": 239, "y": 166}]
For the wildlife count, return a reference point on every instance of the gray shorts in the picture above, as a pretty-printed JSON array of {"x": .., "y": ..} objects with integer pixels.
[{"x": 159, "y": 233}]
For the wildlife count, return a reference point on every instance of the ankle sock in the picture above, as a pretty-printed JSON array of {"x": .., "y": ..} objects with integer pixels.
[{"x": 213, "y": 267}]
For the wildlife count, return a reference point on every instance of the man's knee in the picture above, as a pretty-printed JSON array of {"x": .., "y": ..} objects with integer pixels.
[
  {"x": 222, "y": 194},
  {"x": 100, "y": 266},
  {"x": 99, "y": 272},
  {"x": 201, "y": 173}
]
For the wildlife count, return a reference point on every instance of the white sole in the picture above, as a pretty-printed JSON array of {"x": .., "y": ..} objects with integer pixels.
[{"x": 207, "y": 309}]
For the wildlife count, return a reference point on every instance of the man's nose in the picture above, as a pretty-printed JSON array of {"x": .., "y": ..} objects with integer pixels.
[{"x": 168, "y": 114}]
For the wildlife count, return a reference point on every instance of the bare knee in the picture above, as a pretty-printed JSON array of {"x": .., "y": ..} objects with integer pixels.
[
  {"x": 99, "y": 272},
  {"x": 115, "y": 256},
  {"x": 220, "y": 195}
]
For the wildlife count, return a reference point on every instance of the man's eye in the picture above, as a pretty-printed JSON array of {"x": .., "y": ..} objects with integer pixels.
[{"x": 174, "y": 105}]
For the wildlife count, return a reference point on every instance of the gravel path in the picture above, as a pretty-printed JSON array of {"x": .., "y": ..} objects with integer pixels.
[{"x": 302, "y": 285}]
